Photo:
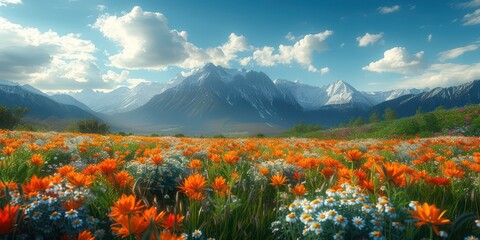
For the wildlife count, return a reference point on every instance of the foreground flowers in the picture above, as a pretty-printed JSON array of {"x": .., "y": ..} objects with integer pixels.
[
  {"x": 429, "y": 215},
  {"x": 112, "y": 187}
]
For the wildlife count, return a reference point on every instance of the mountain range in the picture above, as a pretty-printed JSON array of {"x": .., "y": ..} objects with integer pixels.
[{"x": 215, "y": 99}]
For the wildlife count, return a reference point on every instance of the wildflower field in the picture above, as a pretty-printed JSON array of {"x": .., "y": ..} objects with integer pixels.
[{"x": 71, "y": 186}]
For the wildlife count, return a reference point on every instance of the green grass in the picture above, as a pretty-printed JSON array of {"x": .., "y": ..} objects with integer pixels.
[{"x": 457, "y": 121}]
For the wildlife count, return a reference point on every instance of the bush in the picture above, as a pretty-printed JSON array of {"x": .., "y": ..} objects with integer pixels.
[
  {"x": 431, "y": 122},
  {"x": 304, "y": 128},
  {"x": 92, "y": 126},
  {"x": 408, "y": 126},
  {"x": 179, "y": 135},
  {"x": 9, "y": 118}
]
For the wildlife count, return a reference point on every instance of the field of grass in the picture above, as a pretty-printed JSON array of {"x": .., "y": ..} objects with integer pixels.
[
  {"x": 74, "y": 186},
  {"x": 453, "y": 122}
]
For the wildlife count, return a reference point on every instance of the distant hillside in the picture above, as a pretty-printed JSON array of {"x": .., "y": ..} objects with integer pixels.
[{"x": 457, "y": 121}]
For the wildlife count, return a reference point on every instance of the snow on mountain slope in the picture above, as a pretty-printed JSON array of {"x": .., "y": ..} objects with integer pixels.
[
  {"x": 309, "y": 97},
  {"x": 123, "y": 99},
  {"x": 382, "y": 96}
]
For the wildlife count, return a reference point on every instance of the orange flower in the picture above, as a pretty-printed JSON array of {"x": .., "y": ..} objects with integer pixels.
[
  {"x": 151, "y": 215},
  {"x": 429, "y": 214},
  {"x": 73, "y": 204},
  {"x": 172, "y": 221},
  {"x": 354, "y": 155},
  {"x": 128, "y": 225},
  {"x": 196, "y": 164},
  {"x": 126, "y": 205},
  {"x": 90, "y": 170},
  {"x": 328, "y": 172},
  {"x": 157, "y": 159},
  {"x": 85, "y": 235},
  {"x": 220, "y": 186},
  {"x": 79, "y": 180},
  {"x": 36, "y": 184},
  {"x": 278, "y": 180},
  {"x": 37, "y": 160},
  {"x": 231, "y": 157},
  {"x": 8, "y": 150},
  {"x": 166, "y": 235},
  {"x": 123, "y": 179},
  {"x": 440, "y": 181},
  {"x": 193, "y": 186},
  {"x": 264, "y": 171},
  {"x": 108, "y": 166},
  {"x": 65, "y": 170},
  {"x": 7, "y": 218},
  {"x": 393, "y": 172},
  {"x": 299, "y": 190}
]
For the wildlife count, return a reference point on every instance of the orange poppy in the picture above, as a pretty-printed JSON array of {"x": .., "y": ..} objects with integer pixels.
[
  {"x": 37, "y": 160},
  {"x": 7, "y": 218},
  {"x": 278, "y": 180},
  {"x": 299, "y": 190},
  {"x": 354, "y": 155},
  {"x": 128, "y": 225},
  {"x": 172, "y": 221},
  {"x": 126, "y": 205},
  {"x": 429, "y": 214},
  {"x": 73, "y": 204},
  {"x": 123, "y": 179},
  {"x": 196, "y": 164},
  {"x": 65, "y": 170},
  {"x": 193, "y": 186},
  {"x": 157, "y": 159},
  {"x": 151, "y": 215},
  {"x": 263, "y": 171},
  {"x": 79, "y": 180},
  {"x": 85, "y": 235},
  {"x": 219, "y": 186},
  {"x": 108, "y": 166}
]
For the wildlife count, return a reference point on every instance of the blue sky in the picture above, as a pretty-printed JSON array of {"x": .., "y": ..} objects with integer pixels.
[{"x": 373, "y": 45}]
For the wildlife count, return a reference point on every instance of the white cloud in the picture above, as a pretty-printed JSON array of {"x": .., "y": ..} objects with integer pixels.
[
  {"x": 148, "y": 43},
  {"x": 369, "y": 39},
  {"x": 473, "y": 3},
  {"x": 386, "y": 10},
  {"x": 101, "y": 8},
  {"x": 5, "y": 2},
  {"x": 429, "y": 37},
  {"x": 472, "y": 18},
  {"x": 47, "y": 60},
  {"x": 456, "y": 52},
  {"x": 245, "y": 61},
  {"x": 290, "y": 36},
  {"x": 121, "y": 79},
  {"x": 322, "y": 71},
  {"x": 443, "y": 75},
  {"x": 398, "y": 60},
  {"x": 300, "y": 52}
]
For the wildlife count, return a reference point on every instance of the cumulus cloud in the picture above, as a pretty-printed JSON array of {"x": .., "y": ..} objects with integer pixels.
[
  {"x": 398, "y": 60},
  {"x": 121, "y": 79},
  {"x": 6, "y": 2},
  {"x": 300, "y": 52},
  {"x": 47, "y": 60},
  {"x": 472, "y": 18},
  {"x": 429, "y": 37},
  {"x": 369, "y": 39},
  {"x": 147, "y": 42},
  {"x": 443, "y": 75},
  {"x": 386, "y": 10},
  {"x": 290, "y": 36},
  {"x": 456, "y": 52},
  {"x": 473, "y": 3},
  {"x": 101, "y": 8}
]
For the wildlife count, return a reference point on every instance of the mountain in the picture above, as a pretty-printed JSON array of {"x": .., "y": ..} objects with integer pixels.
[
  {"x": 41, "y": 107},
  {"x": 123, "y": 99},
  {"x": 216, "y": 99},
  {"x": 450, "y": 97},
  {"x": 69, "y": 100},
  {"x": 340, "y": 95},
  {"x": 382, "y": 96}
]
